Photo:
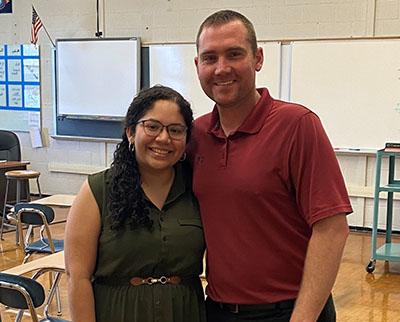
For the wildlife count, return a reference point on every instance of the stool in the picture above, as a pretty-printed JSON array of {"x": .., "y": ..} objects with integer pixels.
[{"x": 20, "y": 176}]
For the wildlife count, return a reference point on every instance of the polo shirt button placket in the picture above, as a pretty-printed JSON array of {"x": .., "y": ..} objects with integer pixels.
[{"x": 224, "y": 153}]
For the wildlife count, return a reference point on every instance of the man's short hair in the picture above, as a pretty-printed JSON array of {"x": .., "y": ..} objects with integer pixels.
[{"x": 223, "y": 17}]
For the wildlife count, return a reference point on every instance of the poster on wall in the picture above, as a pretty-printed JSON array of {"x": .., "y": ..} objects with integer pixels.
[
  {"x": 19, "y": 87},
  {"x": 5, "y": 6}
]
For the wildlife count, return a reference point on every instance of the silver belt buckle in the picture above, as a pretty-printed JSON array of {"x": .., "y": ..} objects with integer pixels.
[
  {"x": 150, "y": 280},
  {"x": 163, "y": 280}
]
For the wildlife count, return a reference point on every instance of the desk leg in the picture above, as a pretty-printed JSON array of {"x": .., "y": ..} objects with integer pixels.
[
  {"x": 18, "y": 200},
  {"x": 4, "y": 210}
]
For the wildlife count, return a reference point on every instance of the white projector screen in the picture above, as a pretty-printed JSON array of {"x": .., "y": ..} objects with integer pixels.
[{"x": 96, "y": 78}]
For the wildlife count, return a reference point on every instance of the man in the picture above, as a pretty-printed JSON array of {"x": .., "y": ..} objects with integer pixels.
[{"x": 272, "y": 197}]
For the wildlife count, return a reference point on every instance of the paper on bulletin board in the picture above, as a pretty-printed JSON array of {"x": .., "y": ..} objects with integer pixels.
[
  {"x": 2, "y": 70},
  {"x": 15, "y": 93},
  {"x": 31, "y": 70},
  {"x": 14, "y": 70},
  {"x": 32, "y": 96},
  {"x": 2, "y": 95},
  {"x": 31, "y": 50}
]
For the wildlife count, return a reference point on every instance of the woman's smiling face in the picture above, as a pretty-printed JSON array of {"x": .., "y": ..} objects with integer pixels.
[{"x": 159, "y": 152}]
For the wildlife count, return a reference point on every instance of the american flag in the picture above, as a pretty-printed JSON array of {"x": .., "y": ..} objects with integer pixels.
[{"x": 36, "y": 25}]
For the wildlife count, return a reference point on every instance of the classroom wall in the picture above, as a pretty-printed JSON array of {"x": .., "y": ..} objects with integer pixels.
[{"x": 64, "y": 164}]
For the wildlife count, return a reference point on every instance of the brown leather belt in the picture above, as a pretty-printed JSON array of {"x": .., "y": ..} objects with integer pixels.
[{"x": 174, "y": 280}]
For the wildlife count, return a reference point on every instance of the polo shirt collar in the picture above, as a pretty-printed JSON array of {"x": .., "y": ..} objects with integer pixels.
[{"x": 253, "y": 122}]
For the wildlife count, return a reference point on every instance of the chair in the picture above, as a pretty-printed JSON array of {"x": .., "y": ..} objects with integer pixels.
[
  {"x": 36, "y": 215},
  {"x": 9, "y": 146},
  {"x": 10, "y": 150},
  {"x": 21, "y": 177},
  {"x": 23, "y": 293}
]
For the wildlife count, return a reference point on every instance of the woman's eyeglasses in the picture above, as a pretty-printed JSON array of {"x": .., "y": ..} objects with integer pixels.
[{"x": 154, "y": 128}]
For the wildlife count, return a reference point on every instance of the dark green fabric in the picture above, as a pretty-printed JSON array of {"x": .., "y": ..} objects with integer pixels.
[{"x": 173, "y": 248}]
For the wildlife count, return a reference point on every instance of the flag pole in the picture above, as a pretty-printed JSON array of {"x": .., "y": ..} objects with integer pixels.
[
  {"x": 44, "y": 27},
  {"x": 48, "y": 35}
]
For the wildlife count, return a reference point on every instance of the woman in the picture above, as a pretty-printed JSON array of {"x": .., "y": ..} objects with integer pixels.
[{"x": 134, "y": 241}]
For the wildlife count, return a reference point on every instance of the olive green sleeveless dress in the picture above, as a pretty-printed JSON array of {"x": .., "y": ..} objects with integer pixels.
[{"x": 174, "y": 247}]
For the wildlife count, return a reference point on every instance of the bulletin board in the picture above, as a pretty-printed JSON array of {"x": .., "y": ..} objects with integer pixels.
[
  {"x": 354, "y": 87},
  {"x": 19, "y": 87}
]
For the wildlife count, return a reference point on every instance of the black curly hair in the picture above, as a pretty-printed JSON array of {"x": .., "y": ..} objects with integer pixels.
[{"x": 126, "y": 203}]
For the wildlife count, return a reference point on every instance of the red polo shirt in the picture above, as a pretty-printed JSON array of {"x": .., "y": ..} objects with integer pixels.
[{"x": 260, "y": 190}]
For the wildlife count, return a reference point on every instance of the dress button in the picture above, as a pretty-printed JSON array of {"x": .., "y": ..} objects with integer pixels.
[
  {"x": 161, "y": 218},
  {"x": 157, "y": 302},
  {"x": 164, "y": 238}
]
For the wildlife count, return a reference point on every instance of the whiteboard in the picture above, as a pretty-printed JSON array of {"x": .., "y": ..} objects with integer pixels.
[
  {"x": 270, "y": 74},
  {"x": 354, "y": 86},
  {"x": 173, "y": 65},
  {"x": 97, "y": 77}
]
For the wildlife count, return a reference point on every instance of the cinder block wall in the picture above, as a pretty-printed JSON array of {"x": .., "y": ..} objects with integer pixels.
[{"x": 64, "y": 163}]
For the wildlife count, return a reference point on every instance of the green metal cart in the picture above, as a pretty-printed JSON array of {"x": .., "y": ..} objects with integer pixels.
[{"x": 388, "y": 251}]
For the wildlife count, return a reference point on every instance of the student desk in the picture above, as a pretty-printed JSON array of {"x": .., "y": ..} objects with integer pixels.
[
  {"x": 52, "y": 261},
  {"x": 49, "y": 263},
  {"x": 9, "y": 166},
  {"x": 60, "y": 203},
  {"x": 56, "y": 200}
]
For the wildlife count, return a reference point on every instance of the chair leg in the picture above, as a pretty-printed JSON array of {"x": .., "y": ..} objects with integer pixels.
[
  {"x": 54, "y": 290},
  {"x": 19, "y": 316},
  {"x": 58, "y": 301},
  {"x": 26, "y": 258},
  {"x": 54, "y": 284},
  {"x": 40, "y": 192},
  {"x": 29, "y": 234},
  {"x": 4, "y": 210},
  {"x": 18, "y": 199},
  {"x": 27, "y": 190}
]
